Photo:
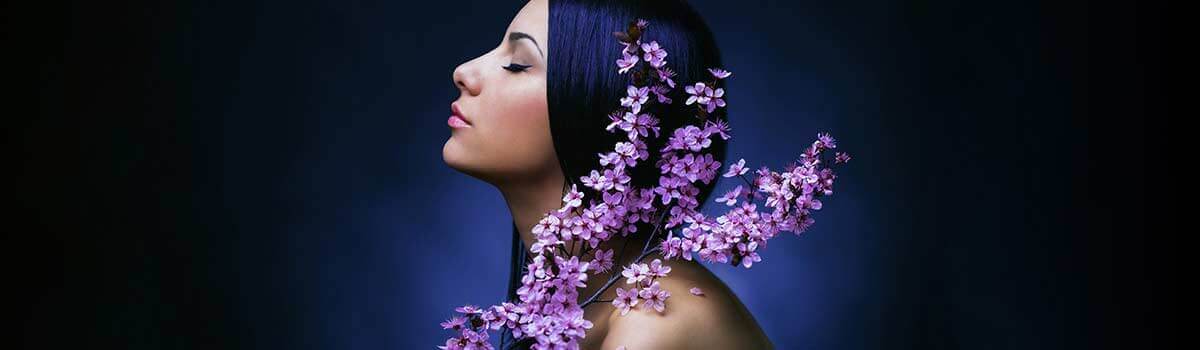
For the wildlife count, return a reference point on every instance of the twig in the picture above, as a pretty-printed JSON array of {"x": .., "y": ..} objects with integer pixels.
[{"x": 645, "y": 252}]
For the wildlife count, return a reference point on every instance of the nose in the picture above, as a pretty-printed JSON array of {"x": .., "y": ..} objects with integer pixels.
[{"x": 466, "y": 79}]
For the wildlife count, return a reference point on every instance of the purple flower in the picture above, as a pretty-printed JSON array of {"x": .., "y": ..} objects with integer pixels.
[
  {"x": 842, "y": 157},
  {"x": 603, "y": 260},
  {"x": 635, "y": 273},
  {"x": 614, "y": 198},
  {"x": 696, "y": 291},
  {"x": 468, "y": 309},
  {"x": 455, "y": 343},
  {"x": 625, "y": 300},
  {"x": 719, "y": 127},
  {"x": 705, "y": 95},
  {"x": 654, "y": 296},
  {"x": 737, "y": 169},
  {"x": 688, "y": 243},
  {"x": 610, "y": 158},
  {"x": 826, "y": 140},
  {"x": 661, "y": 93},
  {"x": 572, "y": 272},
  {"x": 715, "y": 100},
  {"x": 634, "y": 125},
  {"x": 636, "y": 97},
  {"x": 625, "y": 150},
  {"x": 596, "y": 181},
  {"x": 688, "y": 138},
  {"x": 670, "y": 247},
  {"x": 657, "y": 269},
  {"x": 699, "y": 93},
  {"x": 665, "y": 74},
  {"x": 538, "y": 267},
  {"x": 654, "y": 54},
  {"x": 573, "y": 199},
  {"x": 730, "y": 198},
  {"x": 626, "y": 62},
  {"x": 719, "y": 73},
  {"x": 616, "y": 179},
  {"x": 645, "y": 125},
  {"x": 544, "y": 242},
  {"x": 455, "y": 323},
  {"x": 748, "y": 254},
  {"x": 548, "y": 224}
]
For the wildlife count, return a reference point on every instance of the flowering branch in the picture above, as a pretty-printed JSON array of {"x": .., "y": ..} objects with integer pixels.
[
  {"x": 548, "y": 310},
  {"x": 646, "y": 251}
]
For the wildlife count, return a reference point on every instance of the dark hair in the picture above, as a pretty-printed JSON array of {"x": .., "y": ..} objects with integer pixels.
[{"x": 583, "y": 87}]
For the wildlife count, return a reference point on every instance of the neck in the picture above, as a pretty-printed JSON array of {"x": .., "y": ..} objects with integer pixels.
[{"x": 530, "y": 201}]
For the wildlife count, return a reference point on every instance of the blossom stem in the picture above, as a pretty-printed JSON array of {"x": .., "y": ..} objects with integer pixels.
[
  {"x": 614, "y": 279},
  {"x": 616, "y": 276},
  {"x": 743, "y": 177}
]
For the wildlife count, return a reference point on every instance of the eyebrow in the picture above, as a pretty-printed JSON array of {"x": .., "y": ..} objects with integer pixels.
[{"x": 514, "y": 36}]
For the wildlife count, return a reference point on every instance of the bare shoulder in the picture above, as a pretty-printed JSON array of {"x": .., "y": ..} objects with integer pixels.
[{"x": 715, "y": 319}]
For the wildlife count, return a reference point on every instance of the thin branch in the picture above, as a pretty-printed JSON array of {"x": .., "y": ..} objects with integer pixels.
[
  {"x": 752, "y": 187},
  {"x": 645, "y": 252},
  {"x": 614, "y": 279}
]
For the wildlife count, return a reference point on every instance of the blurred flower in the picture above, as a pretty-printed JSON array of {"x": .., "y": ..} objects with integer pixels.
[{"x": 719, "y": 73}]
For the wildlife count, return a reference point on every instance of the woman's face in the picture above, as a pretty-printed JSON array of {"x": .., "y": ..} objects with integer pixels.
[{"x": 502, "y": 98}]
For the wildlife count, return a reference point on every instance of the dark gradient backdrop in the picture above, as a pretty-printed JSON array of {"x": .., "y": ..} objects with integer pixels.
[{"x": 268, "y": 174}]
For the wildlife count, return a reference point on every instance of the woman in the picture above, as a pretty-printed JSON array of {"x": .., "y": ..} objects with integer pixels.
[{"x": 530, "y": 120}]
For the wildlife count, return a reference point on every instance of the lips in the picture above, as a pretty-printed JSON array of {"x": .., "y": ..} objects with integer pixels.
[{"x": 456, "y": 113}]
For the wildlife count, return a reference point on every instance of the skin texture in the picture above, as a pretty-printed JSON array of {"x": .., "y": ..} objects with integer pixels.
[{"x": 509, "y": 146}]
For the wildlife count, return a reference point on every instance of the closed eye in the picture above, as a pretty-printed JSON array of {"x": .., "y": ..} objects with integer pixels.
[{"x": 514, "y": 67}]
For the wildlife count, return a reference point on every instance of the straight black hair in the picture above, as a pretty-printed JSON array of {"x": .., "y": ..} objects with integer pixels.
[{"x": 583, "y": 87}]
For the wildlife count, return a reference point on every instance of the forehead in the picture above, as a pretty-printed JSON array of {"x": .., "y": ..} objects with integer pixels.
[{"x": 532, "y": 20}]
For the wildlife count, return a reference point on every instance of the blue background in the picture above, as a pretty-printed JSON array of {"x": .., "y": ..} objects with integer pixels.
[{"x": 268, "y": 174}]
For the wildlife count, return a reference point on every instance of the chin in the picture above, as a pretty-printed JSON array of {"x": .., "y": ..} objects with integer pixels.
[
  {"x": 458, "y": 158},
  {"x": 452, "y": 155}
]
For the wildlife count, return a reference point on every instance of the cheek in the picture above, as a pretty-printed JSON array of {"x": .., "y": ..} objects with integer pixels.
[
  {"x": 519, "y": 135},
  {"x": 511, "y": 139}
]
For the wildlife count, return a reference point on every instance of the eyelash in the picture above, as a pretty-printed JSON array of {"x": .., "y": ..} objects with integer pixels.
[{"x": 513, "y": 67}]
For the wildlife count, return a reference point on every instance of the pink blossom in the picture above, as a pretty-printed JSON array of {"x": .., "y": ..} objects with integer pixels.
[
  {"x": 720, "y": 127},
  {"x": 626, "y": 62},
  {"x": 455, "y": 323},
  {"x": 737, "y": 169},
  {"x": 657, "y": 269},
  {"x": 654, "y": 296},
  {"x": 719, "y": 73},
  {"x": 603, "y": 260},
  {"x": 730, "y": 198},
  {"x": 625, "y": 300},
  {"x": 842, "y": 157},
  {"x": 699, "y": 93},
  {"x": 635, "y": 273},
  {"x": 573, "y": 199},
  {"x": 654, "y": 54},
  {"x": 664, "y": 75},
  {"x": 636, "y": 96}
]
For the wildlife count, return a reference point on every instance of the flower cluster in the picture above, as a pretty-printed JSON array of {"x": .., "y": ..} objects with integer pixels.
[
  {"x": 645, "y": 287},
  {"x": 548, "y": 308}
]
